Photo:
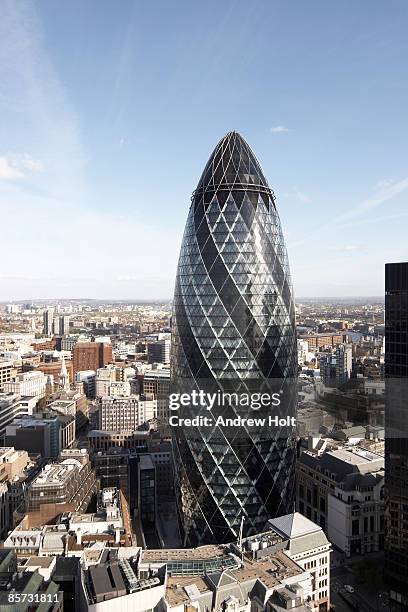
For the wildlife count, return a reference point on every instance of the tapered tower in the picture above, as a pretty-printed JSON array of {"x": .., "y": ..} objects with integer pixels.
[{"x": 233, "y": 330}]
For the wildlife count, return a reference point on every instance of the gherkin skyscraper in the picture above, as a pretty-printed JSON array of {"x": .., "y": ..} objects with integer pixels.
[{"x": 233, "y": 331}]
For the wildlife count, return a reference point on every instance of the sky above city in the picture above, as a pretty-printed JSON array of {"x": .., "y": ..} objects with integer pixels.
[{"x": 110, "y": 110}]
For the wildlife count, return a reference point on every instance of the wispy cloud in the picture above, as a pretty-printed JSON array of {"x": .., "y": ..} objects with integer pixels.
[
  {"x": 383, "y": 194},
  {"x": 279, "y": 129},
  {"x": 15, "y": 166},
  {"x": 347, "y": 248},
  {"x": 296, "y": 194},
  {"x": 35, "y": 108}
]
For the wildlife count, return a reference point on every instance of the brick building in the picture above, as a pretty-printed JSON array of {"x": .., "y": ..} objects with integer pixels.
[{"x": 91, "y": 356}]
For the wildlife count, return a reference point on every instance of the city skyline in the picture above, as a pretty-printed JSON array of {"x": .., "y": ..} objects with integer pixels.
[{"x": 81, "y": 146}]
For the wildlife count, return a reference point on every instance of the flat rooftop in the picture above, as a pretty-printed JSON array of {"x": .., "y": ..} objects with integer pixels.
[
  {"x": 176, "y": 593},
  {"x": 209, "y": 551},
  {"x": 356, "y": 455}
]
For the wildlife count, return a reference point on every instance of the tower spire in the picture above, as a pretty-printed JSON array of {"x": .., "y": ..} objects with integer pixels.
[{"x": 64, "y": 376}]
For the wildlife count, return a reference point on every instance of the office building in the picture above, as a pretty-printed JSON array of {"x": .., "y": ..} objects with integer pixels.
[
  {"x": 91, "y": 355},
  {"x": 341, "y": 488},
  {"x": 157, "y": 384},
  {"x": 7, "y": 372},
  {"x": 396, "y": 430},
  {"x": 308, "y": 546},
  {"x": 48, "y": 321},
  {"x": 126, "y": 413},
  {"x": 159, "y": 351},
  {"x": 322, "y": 340},
  {"x": 87, "y": 379},
  {"x": 146, "y": 489},
  {"x": 12, "y": 406},
  {"x": 112, "y": 469},
  {"x": 260, "y": 575},
  {"x": 99, "y": 440},
  {"x": 60, "y": 325},
  {"x": 233, "y": 329},
  {"x": 27, "y": 384},
  {"x": 46, "y": 434},
  {"x": 335, "y": 369},
  {"x": 69, "y": 482}
]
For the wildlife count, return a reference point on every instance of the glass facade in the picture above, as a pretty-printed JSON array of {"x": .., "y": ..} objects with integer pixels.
[
  {"x": 396, "y": 431},
  {"x": 233, "y": 329}
]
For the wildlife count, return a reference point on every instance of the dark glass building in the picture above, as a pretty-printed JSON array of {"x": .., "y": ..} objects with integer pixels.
[
  {"x": 233, "y": 330},
  {"x": 396, "y": 431}
]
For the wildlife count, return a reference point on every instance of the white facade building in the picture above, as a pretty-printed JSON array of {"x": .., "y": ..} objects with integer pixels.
[
  {"x": 28, "y": 383},
  {"x": 125, "y": 413},
  {"x": 310, "y": 548}
]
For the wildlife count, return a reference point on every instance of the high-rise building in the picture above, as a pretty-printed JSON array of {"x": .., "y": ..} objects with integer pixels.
[
  {"x": 159, "y": 351},
  {"x": 48, "y": 320},
  {"x": 396, "y": 432},
  {"x": 91, "y": 356},
  {"x": 60, "y": 325},
  {"x": 335, "y": 369},
  {"x": 233, "y": 330}
]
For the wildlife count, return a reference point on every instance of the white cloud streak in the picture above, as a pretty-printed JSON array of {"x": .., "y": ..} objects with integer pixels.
[
  {"x": 384, "y": 194},
  {"x": 15, "y": 166},
  {"x": 279, "y": 129}
]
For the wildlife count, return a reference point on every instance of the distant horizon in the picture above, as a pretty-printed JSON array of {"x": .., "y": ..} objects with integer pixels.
[{"x": 379, "y": 298}]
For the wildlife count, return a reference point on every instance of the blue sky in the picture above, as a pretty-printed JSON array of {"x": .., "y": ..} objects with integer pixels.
[{"x": 109, "y": 112}]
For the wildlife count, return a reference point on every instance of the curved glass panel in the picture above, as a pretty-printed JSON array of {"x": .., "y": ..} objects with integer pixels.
[{"x": 233, "y": 329}]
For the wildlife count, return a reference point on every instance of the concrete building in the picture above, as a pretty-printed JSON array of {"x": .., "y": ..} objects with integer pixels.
[
  {"x": 27, "y": 383},
  {"x": 46, "y": 435},
  {"x": 30, "y": 582},
  {"x": 156, "y": 383},
  {"x": 12, "y": 462},
  {"x": 4, "y": 509},
  {"x": 335, "y": 370},
  {"x": 126, "y": 413},
  {"x": 258, "y": 574},
  {"x": 341, "y": 488},
  {"x": 162, "y": 458},
  {"x": 7, "y": 372},
  {"x": 87, "y": 378},
  {"x": 81, "y": 406},
  {"x": 63, "y": 407},
  {"x": 310, "y": 548},
  {"x": 13, "y": 406},
  {"x": 159, "y": 351},
  {"x": 70, "y": 483},
  {"x": 17, "y": 470},
  {"x": 61, "y": 325},
  {"x": 100, "y": 440},
  {"x": 114, "y": 380},
  {"x": 107, "y": 517},
  {"x": 48, "y": 321}
]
